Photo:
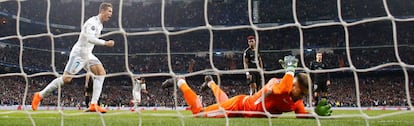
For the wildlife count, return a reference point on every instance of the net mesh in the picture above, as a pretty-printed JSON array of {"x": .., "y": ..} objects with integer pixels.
[{"x": 163, "y": 39}]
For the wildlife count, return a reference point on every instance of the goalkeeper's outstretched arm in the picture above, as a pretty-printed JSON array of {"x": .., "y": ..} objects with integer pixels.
[{"x": 300, "y": 89}]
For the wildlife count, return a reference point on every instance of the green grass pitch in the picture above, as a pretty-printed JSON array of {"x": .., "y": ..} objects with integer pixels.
[{"x": 177, "y": 118}]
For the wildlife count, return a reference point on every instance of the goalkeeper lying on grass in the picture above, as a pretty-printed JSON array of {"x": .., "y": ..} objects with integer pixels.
[{"x": 278, "y": 96}]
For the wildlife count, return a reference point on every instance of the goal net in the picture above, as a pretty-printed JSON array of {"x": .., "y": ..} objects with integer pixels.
[{"x": 368, "y": 46}]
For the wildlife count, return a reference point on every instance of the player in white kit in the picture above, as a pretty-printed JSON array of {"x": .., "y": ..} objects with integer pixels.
[
  {"x": 138, "y": 87},
  {"x": 81, "y": 57}
]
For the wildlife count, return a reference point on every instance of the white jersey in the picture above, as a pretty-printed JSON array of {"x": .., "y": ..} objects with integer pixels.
[
  {"x": 88, "y": 37},
  {"x": 81, "y": 54},
  {"x": 136, "y": 90}
]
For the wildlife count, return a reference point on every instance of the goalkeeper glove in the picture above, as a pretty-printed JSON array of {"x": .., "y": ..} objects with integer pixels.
[
  {"x": 323, "y": 108},
  {"x": 290, "y": 63}
]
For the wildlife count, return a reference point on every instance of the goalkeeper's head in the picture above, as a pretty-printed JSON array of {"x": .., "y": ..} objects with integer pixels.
[{"x": 300, "y": 86}]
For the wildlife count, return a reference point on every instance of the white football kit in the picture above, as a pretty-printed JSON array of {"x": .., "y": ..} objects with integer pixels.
[
  {"x": 81, "y": 54},
  {"x": 136, "y": 90}
]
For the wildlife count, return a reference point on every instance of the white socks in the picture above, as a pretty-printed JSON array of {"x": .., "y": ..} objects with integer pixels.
[
  {"x": 180, "y": 82},
  {"x": 51, "y": 86},
  {"x": 97, "y": 88}
]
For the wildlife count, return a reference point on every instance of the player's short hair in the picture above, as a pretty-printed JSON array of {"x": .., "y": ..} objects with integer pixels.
[
  {"x": 250, "y": 37},
  {"x": 104, "y": 6},
  {"x": 302, "y": 80}
]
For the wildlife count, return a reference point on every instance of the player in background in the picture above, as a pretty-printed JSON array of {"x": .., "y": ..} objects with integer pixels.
[
  {"x": 88, "y": 89},
  {"x": 321, "y": 81},
  {"x": 81, "y": 56},
  {"x": 278, "y": 96},
  {"x": 249, "y": 61},
  {"x": 138, "y": 87}
]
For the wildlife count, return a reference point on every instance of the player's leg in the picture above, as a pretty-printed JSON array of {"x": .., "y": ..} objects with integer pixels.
[
  {"x": 190, "y": 96},
  {"x": 325, "y": 94},
  {"x": 316, "y": 97},
  {"x": 252, "y": 88},
  {"x": 74, "y": 65},
  {"x": 320, "y": 92},
  {"x": 87, "y": 99},
  {"x": 98, "y": 81},
  {"x": 231, "y": 104},
  {"x": 136, "y": 94},
  {"x": 38, "y": 96},
  {"x": 219, "y": 94},
  {"x": 88, "y": 93},
  {"x": 98, "y": 70},
  {"x": 253, "y": 82},
  {"x": 316, "y": 90},
  {"x": 324, "y": 91},
  {"x": 258, "y": 81},
  {"x": 88, "y": 89}
]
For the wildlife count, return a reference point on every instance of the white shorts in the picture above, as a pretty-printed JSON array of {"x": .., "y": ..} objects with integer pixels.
[
  {"x": 76, "y": 63},
  {"x": 137, "y": 96}
]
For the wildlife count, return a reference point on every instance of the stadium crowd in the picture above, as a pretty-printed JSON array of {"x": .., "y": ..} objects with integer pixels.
[
  {"x": 388, "y": 91},
  {"x": 371, "y": 44}
]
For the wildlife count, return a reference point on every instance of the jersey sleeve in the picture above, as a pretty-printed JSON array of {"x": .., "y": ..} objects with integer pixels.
[
  {"x": 300, "y": 109},
  {"x": 89, "y": 33}
]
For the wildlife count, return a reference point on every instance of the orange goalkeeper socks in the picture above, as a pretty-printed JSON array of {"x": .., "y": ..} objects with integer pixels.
[{"x": 191, "y": 98}]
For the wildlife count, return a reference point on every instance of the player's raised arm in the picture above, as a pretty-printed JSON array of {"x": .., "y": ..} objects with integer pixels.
[
  {"x": 90, "y": 30},
  {"x": 289, "y": 64},
  {"x": 92, "y": 38}
]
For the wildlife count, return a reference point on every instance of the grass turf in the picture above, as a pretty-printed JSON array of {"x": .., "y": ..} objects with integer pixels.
[{"x": 176, "y": 118}]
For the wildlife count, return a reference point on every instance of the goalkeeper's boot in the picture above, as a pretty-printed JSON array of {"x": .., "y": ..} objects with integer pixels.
[
  {"x": 94, "y": 108},
  {"x": 36, "y": 101},
  {"x": 168, "y": 83},
  {"x": 204, "y": 86}
]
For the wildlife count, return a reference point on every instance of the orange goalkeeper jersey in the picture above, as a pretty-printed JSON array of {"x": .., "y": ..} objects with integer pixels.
[{"x": 276, "y": 101}]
